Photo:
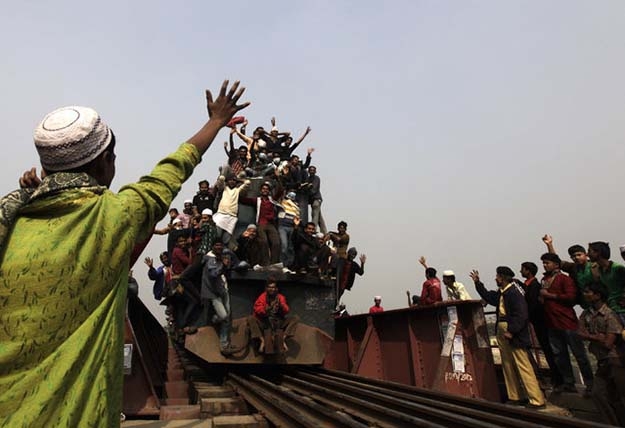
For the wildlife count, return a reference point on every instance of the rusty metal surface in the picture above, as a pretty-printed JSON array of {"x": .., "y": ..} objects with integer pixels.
[
  {"x": 415, "y": 346},
  {"x": 143, "y": 385},
  {"x": 309, "y": 345}
]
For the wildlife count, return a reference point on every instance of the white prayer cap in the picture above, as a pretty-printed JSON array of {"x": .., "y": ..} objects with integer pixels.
[
  {"x": 207, "y": 211},
  {"x": 71, "y": 137},
  {"x": 448, "y": 273},
  {"x": 252, "y": 226},
  {"x": 188, "y": 201},
  {"x": 176, "y": 221},
  {"x": 377, "y": 298}
]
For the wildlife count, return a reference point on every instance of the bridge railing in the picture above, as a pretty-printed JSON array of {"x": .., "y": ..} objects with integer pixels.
[{"x": 443, "y": 347}]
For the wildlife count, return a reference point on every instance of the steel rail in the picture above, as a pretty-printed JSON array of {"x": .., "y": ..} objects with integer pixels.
[
  {"x": 516, "y": 417},
  {"x": 284, "y": 408},
  {"x": 403, "y": 410}
]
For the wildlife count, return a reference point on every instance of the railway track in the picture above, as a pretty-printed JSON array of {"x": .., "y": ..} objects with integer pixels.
[{"x": 312, "y": 397}]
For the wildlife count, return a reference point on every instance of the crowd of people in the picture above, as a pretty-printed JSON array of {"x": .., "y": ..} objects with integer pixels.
[
  {"x": 545, "y": 308},
  {"x": 212, "y": 237}
]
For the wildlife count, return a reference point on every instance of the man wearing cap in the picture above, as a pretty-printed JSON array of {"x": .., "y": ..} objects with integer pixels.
[
  {"x": 455, "y": 290},
  {"x": 208, "y": 230},
  {"x": 64, "y": 294},
  {"x": 513, "y": 337},
  {"x": 249, "y": 246},
  {"x": 187, "y": 213},
  {"x": 376, "y": 308}
]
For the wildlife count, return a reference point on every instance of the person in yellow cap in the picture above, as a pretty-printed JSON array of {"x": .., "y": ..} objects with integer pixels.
[{"x": 65, "y": 252}]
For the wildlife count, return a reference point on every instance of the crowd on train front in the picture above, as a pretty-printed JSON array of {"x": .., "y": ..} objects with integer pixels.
[
  {"x": 543, "y": 306},
  {"x": 210, "y": 238}
]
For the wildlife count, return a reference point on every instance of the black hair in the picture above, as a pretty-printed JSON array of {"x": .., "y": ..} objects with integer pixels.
[
  {"x": 551, "y": 258},
  {"x": 203, "y": 182},
  {"x": 530, "y": 266},
  {"x": 164, "y": 253},
  {"x": 416, "y": 299},
  {"x": 293, "y": 157},
  {"x": 173, "y": 209},
  {"x": 271, "y": 279},
  {"x": 430, "y": 272},
  {"x": 576, "y": 249},
  {"x": 342, "y": 223},
  {"x": 599, "y": 288},
  {"x": 309, "y": 223},
  {"x": 603, "y": 248}
]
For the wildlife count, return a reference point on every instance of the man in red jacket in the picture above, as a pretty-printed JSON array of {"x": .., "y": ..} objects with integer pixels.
[{"x": 270, "y": 313}]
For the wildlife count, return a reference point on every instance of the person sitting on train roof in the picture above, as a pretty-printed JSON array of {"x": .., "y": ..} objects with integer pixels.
[
  {"x": 431, "y": 291},
  {"x": 271, "y": 313},
  {"x": 348, "y": 268},
  {"x": 376, "y": 308},
  {"x": 455, "y": 289},
  {"x": 323, "y": 258},
  {"x": 187, "y": 213},
  {"x": 413, "y": 300},
  {"x": 305, "y": 245},
  {"x": 70, "y": 370},
  {"x": 250, "y": 247}
]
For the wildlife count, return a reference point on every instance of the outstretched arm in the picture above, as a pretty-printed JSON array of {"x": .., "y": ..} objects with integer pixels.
[
  {"x": 220, "y": 111},
  {"x": 423, "y": 262}
]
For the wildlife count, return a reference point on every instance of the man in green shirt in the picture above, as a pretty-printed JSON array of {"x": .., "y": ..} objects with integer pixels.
[
  {"x": 65, "y": 249},
  {"x": 611, "y": 274}
]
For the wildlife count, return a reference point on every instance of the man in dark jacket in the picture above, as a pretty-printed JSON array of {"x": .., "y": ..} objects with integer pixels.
[
  {"x": 349, "y": 268},
  {"x": 512, "y": 336},
  {"x": 536, "y": 313}
]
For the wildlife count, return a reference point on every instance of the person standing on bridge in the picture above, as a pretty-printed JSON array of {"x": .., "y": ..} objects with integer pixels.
[
  {"x": 513, "y": 337},
  {"x": 376, "y": 308},
  {"x": 64, "y": 294},
  {"x": 602, "y": 328}
]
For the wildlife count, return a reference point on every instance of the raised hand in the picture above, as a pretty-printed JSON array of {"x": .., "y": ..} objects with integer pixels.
[
  {"x": 363, "y": 259},
  {"x": 548, "y": 239},
  {"x": 307, "y": 130},
  {"x": 310, "y": 150},
  {"x": 29, "y": 179},
  {"x": 475, "y": 275},
  {"x": 148, "y": 261},
  {"x": 423, "y": 262},
  {"x": 225, "y": 106}
]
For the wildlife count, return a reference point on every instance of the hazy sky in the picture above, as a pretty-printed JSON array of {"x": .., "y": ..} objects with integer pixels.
[{"x": 462, "y": 131}]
